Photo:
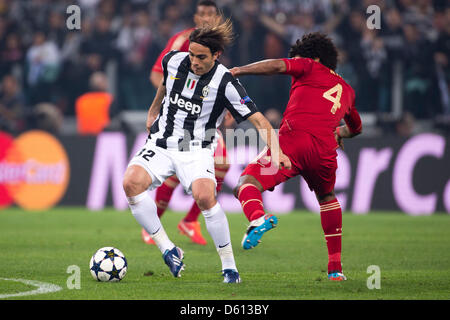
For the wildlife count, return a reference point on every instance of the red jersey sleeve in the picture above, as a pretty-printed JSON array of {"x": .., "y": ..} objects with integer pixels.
[
  {"x": 298, "y": 67},
  {"x": 353, "y": 120},
  {"x": 157, "y": 67}
]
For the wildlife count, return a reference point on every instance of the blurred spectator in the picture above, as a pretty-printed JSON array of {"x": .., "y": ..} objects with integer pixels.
[
  {"x": 47, "y": 117},
  {"x": 442, "y": 64},
  {"x": 419, "y": 14},
  {"x": 92, "y": 109},
  {"x": 123, "y": 39},
  {"x": 12, "y": 106},
  {"x": 100, "y": 44},
  {"x": 346, "y": 70},
  {"x": 274, "y": 116},
  {"x": 298, "y": 25},
  {"x": 12, "y": 55},
  {"x": 173, "y": 14},
  {"x": 276, "y": 88},
  {"x": 56, "y": 28},
  {"x": 405, "y": 126},
  {"x": 249, "y": 47},
  {"x": 134, "y": 42},
  {"x": 392, "y": 33},
  {"x": 371, "y": 73},
  {"x": 417, "y": 76},
  {"x": 43, "y": 62}
]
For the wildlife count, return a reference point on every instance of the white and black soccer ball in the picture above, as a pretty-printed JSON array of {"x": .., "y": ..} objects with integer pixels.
[{"x": 108, "y": 264}]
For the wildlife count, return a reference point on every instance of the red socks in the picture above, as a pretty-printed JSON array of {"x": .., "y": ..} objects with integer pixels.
[
  {"x": 331, "y": 219},
  {"x": 164, "y": 193},
  {"x": 193, "y": 213},
  {"x": 251, "y": 201}
]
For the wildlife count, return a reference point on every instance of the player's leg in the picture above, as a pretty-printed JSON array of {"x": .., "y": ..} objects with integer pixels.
[
  {"x": 249, "y": 193},
  {"x": 253, "y": 181},
  {"x": 221, "y": 163},
  {"x": 164, "y": 194},
  {"x": 203, "y": 190},
  {"x": 162, "y": 197},
  {"x": 190, "y": 225},
  {"x": 220, "y": 172},
  {"x": 320, "y": 174},
  {"x": 146, "y": 170},
  {"x": 331, "y": 220},
  {"x": 135, "y": 184}
]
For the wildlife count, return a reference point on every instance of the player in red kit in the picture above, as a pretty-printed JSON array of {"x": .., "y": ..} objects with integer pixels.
[
  {"x": 206, "y": 13},
  {"x": 309, "y": 135}
]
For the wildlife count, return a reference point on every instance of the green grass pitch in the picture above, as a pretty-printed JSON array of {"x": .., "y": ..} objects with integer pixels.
[{"x": 290, "y": 263}]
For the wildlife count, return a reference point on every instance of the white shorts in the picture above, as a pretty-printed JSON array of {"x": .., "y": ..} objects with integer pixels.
[{"x": 188, "y": 166}]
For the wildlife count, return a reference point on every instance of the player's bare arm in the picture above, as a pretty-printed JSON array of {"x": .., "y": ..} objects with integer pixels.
[
  {"x": 154, "y": 109},
  {"x": 264, "y": 67},
  {"x": 155, "y": 78},
  {"x": 344, "y": 131},
  {"x": 268, "y": 134}
]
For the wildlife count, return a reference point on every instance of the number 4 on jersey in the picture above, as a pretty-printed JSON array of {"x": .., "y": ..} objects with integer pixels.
[{"x": 335, "y": 99}]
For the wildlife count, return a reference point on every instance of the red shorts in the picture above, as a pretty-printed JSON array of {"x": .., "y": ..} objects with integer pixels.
[{"x": 310, "y": 159}]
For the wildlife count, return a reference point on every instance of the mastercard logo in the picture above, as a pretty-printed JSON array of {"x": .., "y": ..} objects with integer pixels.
[{"x": 34, "y": 170}]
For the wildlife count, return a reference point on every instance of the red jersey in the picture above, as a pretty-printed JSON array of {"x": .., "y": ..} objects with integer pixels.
[
  {"x": 319, "y": 99},
  {"x": 180, "y": 36}
]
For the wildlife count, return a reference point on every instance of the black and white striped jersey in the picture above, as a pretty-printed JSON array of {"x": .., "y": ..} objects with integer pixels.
[{"x": 194, "y": 106}]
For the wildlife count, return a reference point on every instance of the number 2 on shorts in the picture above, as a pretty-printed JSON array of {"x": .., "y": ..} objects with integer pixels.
[{"x": 336, "y": 100}]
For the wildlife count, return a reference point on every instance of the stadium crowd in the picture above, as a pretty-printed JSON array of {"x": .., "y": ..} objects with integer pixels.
[{"x": 45, "y": 67}]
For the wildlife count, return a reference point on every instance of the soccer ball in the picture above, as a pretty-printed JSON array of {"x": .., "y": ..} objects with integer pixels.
[{"x": 108, "y": 264}]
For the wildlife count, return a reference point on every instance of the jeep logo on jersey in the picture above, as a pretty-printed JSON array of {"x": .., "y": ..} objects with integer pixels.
[{"x": 185, "y": 105}]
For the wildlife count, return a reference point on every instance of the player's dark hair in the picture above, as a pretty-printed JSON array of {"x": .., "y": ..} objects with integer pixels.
[
  {"x": 208, "y": 3},
  {"x": 216, "y": 37},
  {"x": 316, "y": 45}
]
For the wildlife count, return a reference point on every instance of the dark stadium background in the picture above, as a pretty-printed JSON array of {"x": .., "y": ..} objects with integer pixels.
[{"x": 400, "y": 73}]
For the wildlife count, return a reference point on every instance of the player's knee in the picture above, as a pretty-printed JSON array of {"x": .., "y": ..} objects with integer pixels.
[
  {"x": 247, "y": 179},
  {"x": 236, "y": 188},
  {"x": 204, "y": 200},
  {"x": 131, "y": 186},
  {"x": 325, "y": 197},
  {"x": 134, "y": 184},
  {"x": 235, "y": 191}
]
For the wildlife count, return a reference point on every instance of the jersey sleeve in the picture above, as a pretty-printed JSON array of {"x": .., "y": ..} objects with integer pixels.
[
  {"x": 238, "y": 102},
  {"x": 165, "y": 62},
  {"x": 353, "y": 120},
  {"x": 298, "y": 67}
]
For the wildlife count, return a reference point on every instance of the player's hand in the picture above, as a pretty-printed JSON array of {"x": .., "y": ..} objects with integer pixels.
[
  {"x": 339, "y": 140},
  {"x": 234, "y": 71}
]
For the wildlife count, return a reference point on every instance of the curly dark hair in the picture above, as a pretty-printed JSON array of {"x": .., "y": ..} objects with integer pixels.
[{"x": 316, "y": 45}]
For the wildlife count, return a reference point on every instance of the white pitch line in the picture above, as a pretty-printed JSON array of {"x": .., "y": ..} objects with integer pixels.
[{"x": 42, "y": 287}]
